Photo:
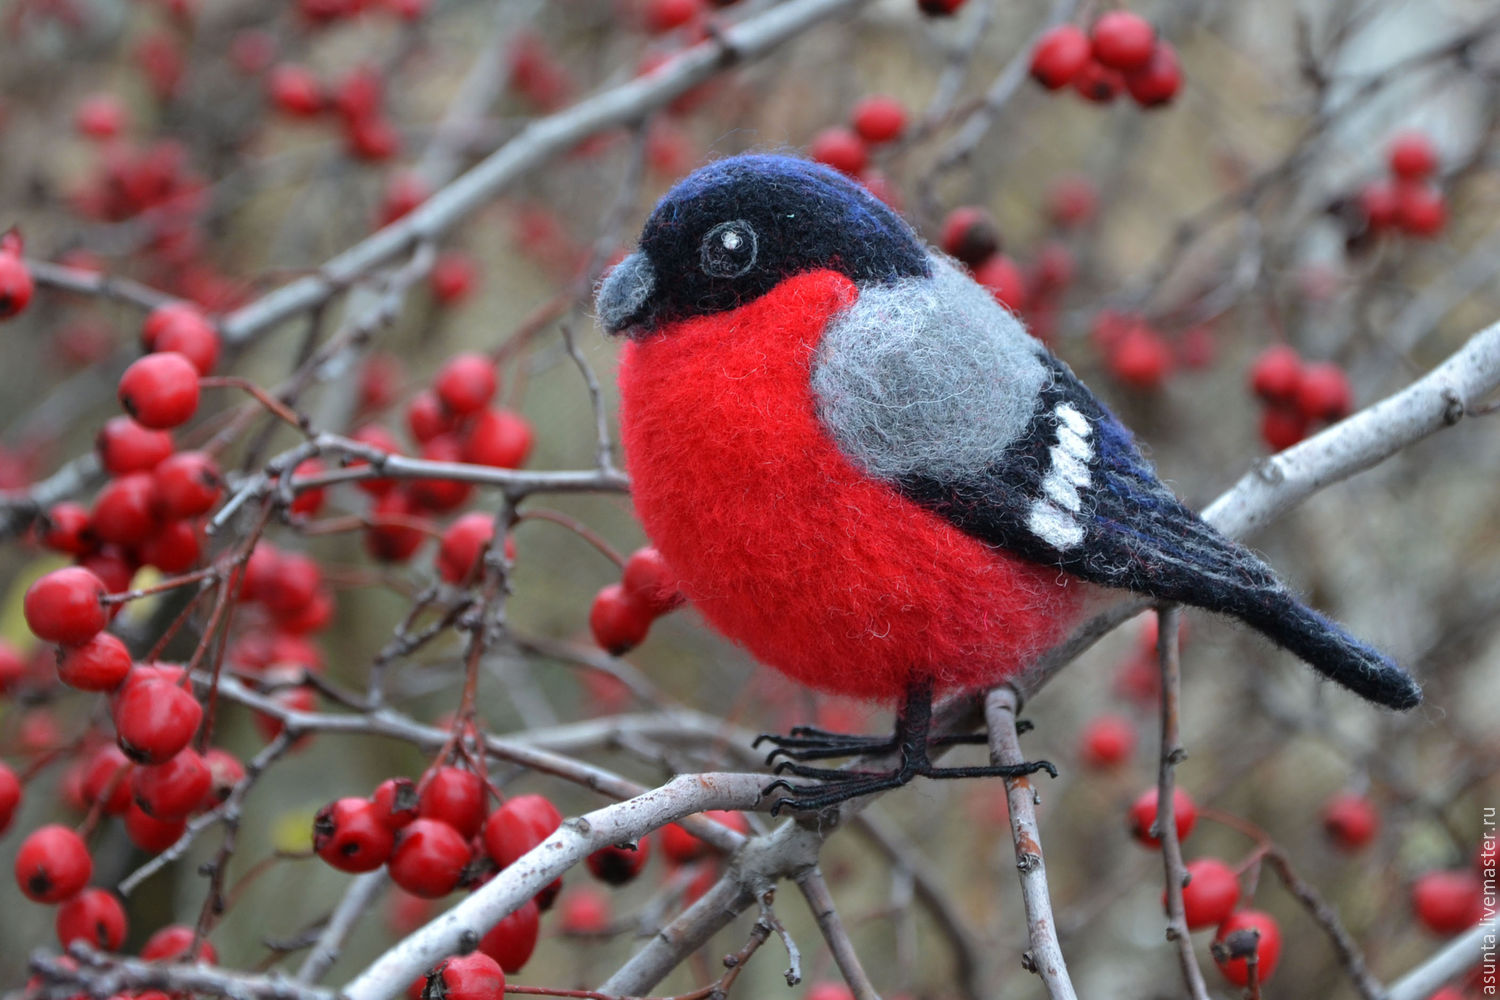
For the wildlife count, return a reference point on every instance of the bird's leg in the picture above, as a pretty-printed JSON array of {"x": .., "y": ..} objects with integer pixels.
[{"x": 911, "y": 739}]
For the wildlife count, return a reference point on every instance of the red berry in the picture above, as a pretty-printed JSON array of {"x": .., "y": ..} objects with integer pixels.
[
  {"x": 463, "y": 546},
  {"x": 650, "y": 582},
  {"x": 155, "y": 719},
  {"x": 429, "y": 858},
  {"x": 360, "y": 93},
  {"x": 349, "y": 835},
  {"x": 160, "y": 390},
  {"x": 427, "y": 418},
  {"x": 66, "y": 529},
  {"x": 186, "y": 485},
  {"x": 453, "y": 278},
  {"x": 1107, "y": 741},
  {"x": 1277, "y": 374},
  {"x": 373, "y": 139},
  {"x": 1142, "y": 816},
  {"x": 16, "y": 285},
  {"x": 1005, "y": 281},
  {"x": 1379, "y": 203},
  {"x": 64, "y": 607},
  {"x": 95, "y": 917},
  {"x": 174, "y": 941},
  {"x": 664, "y": 15},
  {"x": 1098, "y": 83},
  {"x": 125, "y": 446},
  {"x": 293, "y": 586},
  {"x": 1157, "y": 82},
  {"x": 225, "y": 771},
  {"x": 1060, "y": 55},
  {"x": 1141, "y": 358},
  {"x": 1267, "y": 950},
  {"x": 100, "y": 116},
  {"x": 97, "y": 665},
  {"x": 379, "y": 379},
  {"x": 114, "y": 566},
  {"x": 182, "y": 327},
  {"x": 515, "y": 828},
  {"x": 174, "y": 788},
  {"x": 1054, "y": 267},
  {"x": 475, "y": 976},
  {"x": 519, "y": 825},
  {"x": 1072, "y": 201},
  {"x": 618, "y": 621},
  {"x": 403, "y": 193},
  {"x": 149, "y": 833},
  {"x": 1420, "y": 210},
  {"x": 124, "y": 510},
  {"x": 395, "y": 801},
  {"x": 585, "y": 911},
  {"x": 1350, "y": 820},
  {"x": 1210, "y": 895},
  {"x": 307, "y": 502},
  {"x": 10, "y": 796},
  {"x": 970, "y": 234},
  {"x": 296, "y": 91},
  {"x": 513, "y": 939},
  {"x": 394, "y": 535},
  {"x": 53, "y": 864},
  {"x": 376, "y": 437},
  {"x": 457, "y": 797},
  {"x": 439, "y": 495},
  {"x": 1448, "y": 902},
  {"x": 939, "y": 8},
  {"x": 466, "y": 383},
  {"x": 840, "y": 149},
  {"x": 1412, "y": 156},
  {"x": 1123, "y": 40},
  {"x": 619, "y": 864},
  {"x": 172, "y": 548},
  {"x": 106, "y": 780},
  {"x": 878, "y": 119},
  {"x": 828, "y": 990},
  {"x": 1324, "y": 392},
  {"x": 498, "y": 438}
]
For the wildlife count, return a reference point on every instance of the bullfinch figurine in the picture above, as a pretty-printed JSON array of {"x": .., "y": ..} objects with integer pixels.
[{"x": 865, "y": 471}]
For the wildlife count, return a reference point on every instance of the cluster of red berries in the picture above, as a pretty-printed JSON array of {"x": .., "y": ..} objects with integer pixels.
[
  {"x": 622, "y": 612},
  {"x": 1407, "y": 201},
  {"x": 969, "y": 234},
  {"x": 875, "y": 121},
  {"x": 1297, "y": 395},
  {"x": 1120, "y": 53},
  {"x": 356, "y": 102},
  {"x": 1140, "y": 356},
  {"x": 450, "y": 421},
  {"x": 16, "y": 284},
  {"x": 1450, "y": 902},
  {"x": 438, "y": 836},
  {"x": 1212, "y": 892}
]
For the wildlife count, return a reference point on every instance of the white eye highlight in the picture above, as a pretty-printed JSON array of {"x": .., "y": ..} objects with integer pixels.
[{"x": 729, "y": 249}]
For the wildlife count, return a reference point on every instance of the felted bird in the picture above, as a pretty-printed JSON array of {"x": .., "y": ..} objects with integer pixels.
[{"x": 865, "y": 471}]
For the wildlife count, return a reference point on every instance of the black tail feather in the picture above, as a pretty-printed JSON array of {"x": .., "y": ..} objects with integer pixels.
[{"x": 1330, "y": 650}]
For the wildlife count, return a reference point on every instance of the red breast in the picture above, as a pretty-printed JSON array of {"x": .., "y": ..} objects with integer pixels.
[{"x": 789, "y": 548}]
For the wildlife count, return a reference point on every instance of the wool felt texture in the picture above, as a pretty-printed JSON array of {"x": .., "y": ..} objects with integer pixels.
[
  {"x": 785, "y": 544},
  {"x": 927, "y": 377},
  {"x": 869, "y": 475},
  {"x": 731, "y": 231}
]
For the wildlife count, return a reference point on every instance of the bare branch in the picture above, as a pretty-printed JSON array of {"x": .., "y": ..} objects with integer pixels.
[{"x": 1045, "y": 956}]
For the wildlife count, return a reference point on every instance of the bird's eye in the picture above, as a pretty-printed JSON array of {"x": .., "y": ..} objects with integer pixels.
[{"x": 729, "y": 249}]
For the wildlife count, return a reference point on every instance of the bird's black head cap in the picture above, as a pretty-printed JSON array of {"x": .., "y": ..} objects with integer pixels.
[{"x": 731, "y": 231}]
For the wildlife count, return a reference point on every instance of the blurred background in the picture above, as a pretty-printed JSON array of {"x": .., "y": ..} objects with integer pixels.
[{"x": 214, "y": 150}]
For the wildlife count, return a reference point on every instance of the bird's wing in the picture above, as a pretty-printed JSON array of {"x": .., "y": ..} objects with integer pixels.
[
  {"x": 1073, "y": 490},
  {"x": 999, "y": 437}
]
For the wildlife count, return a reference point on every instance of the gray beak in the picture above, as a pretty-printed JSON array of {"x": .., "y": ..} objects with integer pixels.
[{"x": 621, "y": 300}]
